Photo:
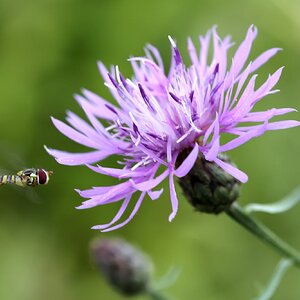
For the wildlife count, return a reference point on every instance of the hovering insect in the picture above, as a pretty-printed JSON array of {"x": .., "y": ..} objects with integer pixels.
[{"x": 28, "y": 177}]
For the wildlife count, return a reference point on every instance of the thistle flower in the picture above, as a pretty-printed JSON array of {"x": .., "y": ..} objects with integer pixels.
[{"x": 160, "y": 115}]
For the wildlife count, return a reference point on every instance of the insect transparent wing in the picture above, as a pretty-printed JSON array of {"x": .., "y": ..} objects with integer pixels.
[{"x": 11, "y": 162}]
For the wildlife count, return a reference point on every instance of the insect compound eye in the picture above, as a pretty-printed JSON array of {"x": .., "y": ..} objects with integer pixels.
[{"x": 42, "y": 176}]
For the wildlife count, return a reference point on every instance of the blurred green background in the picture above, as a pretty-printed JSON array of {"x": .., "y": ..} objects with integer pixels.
[{"x": 48, "y": 51}]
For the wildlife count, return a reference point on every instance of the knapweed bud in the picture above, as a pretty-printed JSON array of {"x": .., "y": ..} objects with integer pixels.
[
  {"x": 125, "y": 267},
  {"x": 209, "y": 188}
]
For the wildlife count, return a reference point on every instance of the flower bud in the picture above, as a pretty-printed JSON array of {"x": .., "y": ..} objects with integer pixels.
[
  {"x": 124, "y": 266},
  {"x": 209, "y": 188}
]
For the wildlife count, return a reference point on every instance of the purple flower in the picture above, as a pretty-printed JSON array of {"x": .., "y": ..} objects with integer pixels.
[{"x": 159, "y": 114}]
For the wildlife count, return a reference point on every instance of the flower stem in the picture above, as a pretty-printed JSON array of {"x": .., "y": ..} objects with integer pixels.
[{"x": 265, "y": 234}]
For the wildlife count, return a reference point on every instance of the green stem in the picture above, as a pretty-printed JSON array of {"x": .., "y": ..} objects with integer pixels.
[
  {"x": 265, "y": 234},
  {"x": 155, "y": 295}
]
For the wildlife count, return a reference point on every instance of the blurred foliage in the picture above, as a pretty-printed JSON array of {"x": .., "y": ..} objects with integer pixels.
[{"x": 48, "y": 51}]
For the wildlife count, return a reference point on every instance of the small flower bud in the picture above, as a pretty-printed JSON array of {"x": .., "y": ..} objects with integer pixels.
[
  {"x": 125, "y": 267},
  {"x": 209, "y": 188}
]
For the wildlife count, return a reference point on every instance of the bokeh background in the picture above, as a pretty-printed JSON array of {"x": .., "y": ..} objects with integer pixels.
[{"x": 48, "y": 52}]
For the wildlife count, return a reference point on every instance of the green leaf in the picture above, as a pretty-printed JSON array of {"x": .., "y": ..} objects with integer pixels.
[
  {"x": 168, "y": 279},
  {"x": 277, "y": 207},
  {"x": 280, "y": 270}
]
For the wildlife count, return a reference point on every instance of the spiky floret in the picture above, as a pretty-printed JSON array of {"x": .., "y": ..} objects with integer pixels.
[{"x": 158, "y": 115}]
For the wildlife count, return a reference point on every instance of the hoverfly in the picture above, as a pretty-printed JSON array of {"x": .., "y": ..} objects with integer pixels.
[{"x": 28, "y": 177}]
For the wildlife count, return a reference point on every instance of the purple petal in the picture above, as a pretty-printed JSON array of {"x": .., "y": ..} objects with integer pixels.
[
  {"x": 154, "y": 195},
  {"x": 178, "y": 100},
  {"x": 151, "y": 183},
  {"x": 94, "y": 121},
  {"x": 271, "y": 126},
  {"x": 94, "y": 191},
  {"x": 193, "y": 53},
  {"x": 156, "y": 55},
  {"x": 74, "y": 134},
  {"x": 244, "y": 138},
  {"x": 261, "y": 116},
  {"x": 214, "y": 150},
  {"x": 173, "y": 196},
  {"x": 117, "y": 216},
  {"x": 75, "y": 159},
  {"x": 243, "y": 51},
  {"x": 209, "y": 132},
  {"x": 107, "y": 110},
  {"x": 233, "y": 171},
  {"x": 242, "y": 80},
  {"x": 114, "y": 194},
  {"x": 133, "y": 213},
  {"x": 101, "y": 190},
  {"x": 282, "y": 125},
  {"x": 145, "y": 97},
  {"x": 204, "y": 42},
  {"x": 151, "y": 154},
  {"x": 169, "y": 150},
  {"x": 114, "y": 91},
  {"x": 106, "y": 192},
  {"x": 188, "y": 163},
  {"x": 268, "y": 85},
  {"x": 246, "y": 99},
  {"x": 220, "y": 52},
  {"x": 263, "y": 58},
  {"x": 177, "y": 56},
  {"x": 123, "y": 173},
  {"x": 81, "y": 125},
  {"x": 98, "y": 110},
  {"x": 215, "y": 142},
  {"x": 109, "y": 171}
]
